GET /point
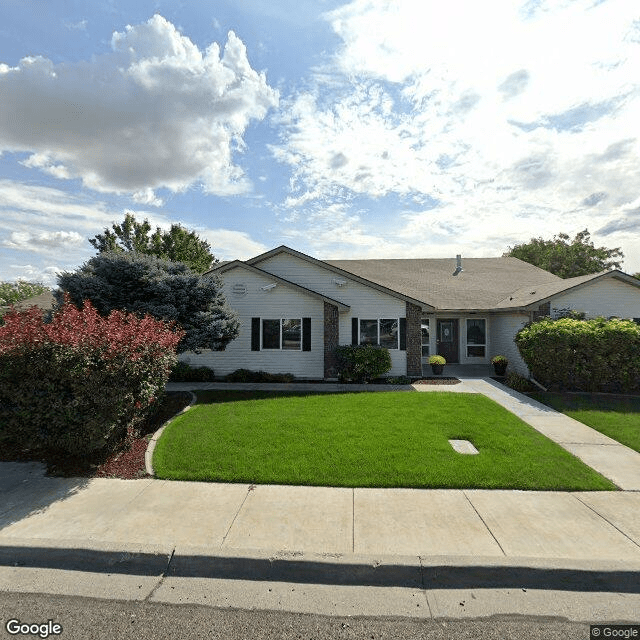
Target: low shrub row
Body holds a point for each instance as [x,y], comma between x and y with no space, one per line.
[76,383]
[183,372]
[246,375]
[583,355]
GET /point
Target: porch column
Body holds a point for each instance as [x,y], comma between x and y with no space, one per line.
[414,340]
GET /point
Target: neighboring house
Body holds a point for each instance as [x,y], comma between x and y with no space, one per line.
[44,301]
[295,310]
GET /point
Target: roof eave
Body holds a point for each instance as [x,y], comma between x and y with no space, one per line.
[614,273]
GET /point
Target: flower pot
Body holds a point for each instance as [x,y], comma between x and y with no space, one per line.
[500,368]
[437,369]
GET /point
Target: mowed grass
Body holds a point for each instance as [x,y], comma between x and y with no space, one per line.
[615,416]
[364,440]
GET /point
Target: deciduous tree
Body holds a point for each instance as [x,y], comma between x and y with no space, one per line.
[178,244]
[567,259]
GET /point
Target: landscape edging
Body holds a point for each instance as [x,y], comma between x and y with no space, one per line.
[148,454]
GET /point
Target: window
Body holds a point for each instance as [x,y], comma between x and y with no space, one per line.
[476,338]
[424,327]
[291,333]
[389,334]
[368,332]
[282,334]
[271,334]
[383,332]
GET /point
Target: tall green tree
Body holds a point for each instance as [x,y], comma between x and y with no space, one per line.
[166,290]
[567,259]
[178,244]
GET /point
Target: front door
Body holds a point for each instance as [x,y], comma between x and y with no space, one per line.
[447,339]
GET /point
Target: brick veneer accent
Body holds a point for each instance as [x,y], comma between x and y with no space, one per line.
[331,321]
[414,340]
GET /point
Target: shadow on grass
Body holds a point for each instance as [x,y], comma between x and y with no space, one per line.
[235,395]
[589,401]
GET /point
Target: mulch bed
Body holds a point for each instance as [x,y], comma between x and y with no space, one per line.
[126,463]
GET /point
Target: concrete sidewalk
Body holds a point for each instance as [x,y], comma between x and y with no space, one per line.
[342,551]
[324,550]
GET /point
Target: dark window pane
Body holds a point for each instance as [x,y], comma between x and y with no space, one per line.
[475,332]
[424,329]
[368,332]
[475,352]
[271,334]
[291,332]
[389,334]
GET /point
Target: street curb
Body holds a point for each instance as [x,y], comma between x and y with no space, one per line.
[354,570]
[148,454]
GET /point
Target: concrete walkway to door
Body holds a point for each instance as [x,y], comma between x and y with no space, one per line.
[610,458]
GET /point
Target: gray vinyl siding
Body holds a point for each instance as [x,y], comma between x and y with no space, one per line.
[365,302]
[502,333]
[605,297]
[280,302]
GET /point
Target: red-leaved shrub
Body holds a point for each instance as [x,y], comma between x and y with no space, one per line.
[75,384]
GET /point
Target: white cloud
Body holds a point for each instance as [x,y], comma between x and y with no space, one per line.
[507,120]
[232,245]
[155,112]
[43,240]
[42,225]
[31,273]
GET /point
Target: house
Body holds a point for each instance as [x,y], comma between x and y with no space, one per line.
[44,301]
[295,309]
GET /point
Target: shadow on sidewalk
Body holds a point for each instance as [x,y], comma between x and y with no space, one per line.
[323,572]
[25,490]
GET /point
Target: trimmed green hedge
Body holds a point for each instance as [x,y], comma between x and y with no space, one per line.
[363,362]
[583,355]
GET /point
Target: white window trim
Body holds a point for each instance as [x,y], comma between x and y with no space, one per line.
[396,348]
[467,345]
[428,345]
[263,348]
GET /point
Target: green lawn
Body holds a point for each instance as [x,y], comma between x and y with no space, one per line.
[364,440]
[616,417]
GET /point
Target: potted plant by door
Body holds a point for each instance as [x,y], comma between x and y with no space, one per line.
[437,364]
[499,364]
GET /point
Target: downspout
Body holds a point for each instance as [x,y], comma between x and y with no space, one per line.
[532,379]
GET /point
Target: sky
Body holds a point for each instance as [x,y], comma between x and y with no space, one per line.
[362,129]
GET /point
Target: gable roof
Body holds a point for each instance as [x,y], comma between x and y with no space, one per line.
[527,296]
[235,264]
[484,284]
[481,285]
[374,283]
[44,301]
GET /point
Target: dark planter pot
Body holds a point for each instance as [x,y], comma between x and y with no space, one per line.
[437,369]
[500,368]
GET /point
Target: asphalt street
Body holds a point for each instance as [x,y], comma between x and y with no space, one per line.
[94,619]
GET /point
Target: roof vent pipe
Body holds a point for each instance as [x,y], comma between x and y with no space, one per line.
[459,268]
